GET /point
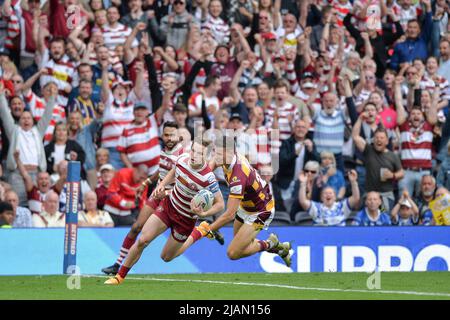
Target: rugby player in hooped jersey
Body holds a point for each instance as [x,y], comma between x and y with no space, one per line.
[250,204]
[169,154]
[176,211]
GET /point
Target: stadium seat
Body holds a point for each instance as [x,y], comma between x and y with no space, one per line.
[303,219]
[281,218]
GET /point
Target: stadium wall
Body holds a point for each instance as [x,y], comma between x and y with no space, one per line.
[316,249]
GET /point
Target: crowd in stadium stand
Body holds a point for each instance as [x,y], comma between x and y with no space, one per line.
[341,105]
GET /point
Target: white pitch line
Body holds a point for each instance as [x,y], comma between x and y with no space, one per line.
[414,293]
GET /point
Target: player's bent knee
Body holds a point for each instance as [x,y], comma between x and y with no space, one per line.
[166,257]
[143,242]
[234,254]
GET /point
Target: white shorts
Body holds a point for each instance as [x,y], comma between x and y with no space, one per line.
[258,218]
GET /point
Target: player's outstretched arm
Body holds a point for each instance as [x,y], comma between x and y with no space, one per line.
[228,215]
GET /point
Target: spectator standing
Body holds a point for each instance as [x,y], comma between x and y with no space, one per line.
[416,139]
[106,176]
[139,142]
[122,203]
[175,26]
[383,167]
[26,138]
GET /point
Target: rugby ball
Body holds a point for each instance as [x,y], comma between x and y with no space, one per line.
[204,198]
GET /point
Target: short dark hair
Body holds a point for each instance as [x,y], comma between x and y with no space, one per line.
[58,39]
[5,206]
[210,80]
[84,64]
[381,130]
[85,81]
[281,83]
[170,124]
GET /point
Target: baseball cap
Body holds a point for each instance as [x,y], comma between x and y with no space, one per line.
[139,104]
[269,36]
[406,203]
[4,52]
[307,74]
[106,166]
[236,115]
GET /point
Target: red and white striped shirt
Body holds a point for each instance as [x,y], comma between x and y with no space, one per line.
[416,145]
[13,30]
[63,72]
[117,116]
[116,36]
[428,84]
[285,112]
[219,29]
[167,161]
[37,108]
[141,144]
[188,182]
[263,143]
[342,9]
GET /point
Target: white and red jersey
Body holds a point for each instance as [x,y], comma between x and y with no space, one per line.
[220,30]
[405,15]
[427,83]
[195,102]
[287,114]
[188,182]
[141,144]
[167,161]
[63,72]
[13,25]
[116,36]
[263,143]
[37,108]
[117,116]
[342,9]
[416,145]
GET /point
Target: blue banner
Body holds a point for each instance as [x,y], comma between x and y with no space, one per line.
[315,249]
[72,198]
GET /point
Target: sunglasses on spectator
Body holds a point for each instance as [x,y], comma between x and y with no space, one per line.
[310,171]
[178,2]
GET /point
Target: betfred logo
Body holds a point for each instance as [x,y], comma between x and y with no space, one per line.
[360,259]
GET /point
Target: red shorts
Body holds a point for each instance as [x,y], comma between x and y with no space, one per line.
[153,203]
[180,226]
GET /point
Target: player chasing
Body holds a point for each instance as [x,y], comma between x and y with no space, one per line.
[176,211]
[171,150]
[250,204]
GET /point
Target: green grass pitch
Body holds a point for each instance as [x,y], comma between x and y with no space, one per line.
[426,285]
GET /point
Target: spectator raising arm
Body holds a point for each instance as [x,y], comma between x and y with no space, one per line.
[359,141]
[129,52]
[353,200]
[29,185]
[304,201]
[401,113]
